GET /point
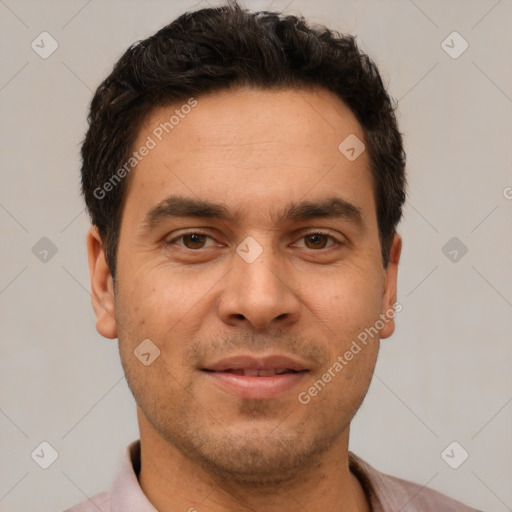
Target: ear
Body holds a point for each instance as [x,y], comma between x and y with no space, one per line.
[390,286]
[102,285]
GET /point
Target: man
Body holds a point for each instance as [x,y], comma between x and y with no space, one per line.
[245,177]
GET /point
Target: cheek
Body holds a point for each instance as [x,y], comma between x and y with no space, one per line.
[167,309]
[148,335]
[348,304]
[159,299]
[346,312]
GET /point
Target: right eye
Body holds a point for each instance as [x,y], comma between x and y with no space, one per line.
[193,240]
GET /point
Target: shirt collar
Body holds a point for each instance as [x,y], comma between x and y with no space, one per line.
[126,494]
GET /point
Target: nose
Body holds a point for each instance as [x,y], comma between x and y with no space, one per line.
[258,295]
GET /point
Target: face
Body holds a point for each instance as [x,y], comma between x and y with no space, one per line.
[249,256]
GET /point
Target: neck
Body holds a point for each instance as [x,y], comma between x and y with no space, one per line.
[172,481]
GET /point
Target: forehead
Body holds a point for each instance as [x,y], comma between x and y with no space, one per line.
[251,147]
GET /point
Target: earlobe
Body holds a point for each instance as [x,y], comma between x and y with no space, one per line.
[390,288]
[102,290]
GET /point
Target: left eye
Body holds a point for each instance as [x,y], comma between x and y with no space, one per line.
[196,241]
[317,240]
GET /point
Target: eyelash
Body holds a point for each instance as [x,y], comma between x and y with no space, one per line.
[336,242]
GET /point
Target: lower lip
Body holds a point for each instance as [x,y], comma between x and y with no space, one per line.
[256,388]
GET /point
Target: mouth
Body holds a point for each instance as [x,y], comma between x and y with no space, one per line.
[257,372]
[256,378]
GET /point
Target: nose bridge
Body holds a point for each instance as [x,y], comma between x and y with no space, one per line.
[262,280]
[256,290]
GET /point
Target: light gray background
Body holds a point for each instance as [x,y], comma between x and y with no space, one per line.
[445,375]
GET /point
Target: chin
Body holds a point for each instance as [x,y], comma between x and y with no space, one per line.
[255,456]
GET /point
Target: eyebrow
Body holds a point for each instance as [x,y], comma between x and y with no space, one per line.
[181,207]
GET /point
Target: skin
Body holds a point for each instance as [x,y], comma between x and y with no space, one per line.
[255,152]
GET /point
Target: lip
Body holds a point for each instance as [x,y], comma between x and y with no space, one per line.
[256,387]
[270,362]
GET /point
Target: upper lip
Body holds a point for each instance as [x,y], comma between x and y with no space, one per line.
[271,362]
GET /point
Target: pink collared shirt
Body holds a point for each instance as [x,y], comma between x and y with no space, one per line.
[385,493]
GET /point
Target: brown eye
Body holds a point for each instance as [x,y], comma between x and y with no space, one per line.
[194,240]
[317,241]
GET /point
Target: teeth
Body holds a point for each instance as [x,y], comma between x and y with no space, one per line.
[267,373]
[253,372]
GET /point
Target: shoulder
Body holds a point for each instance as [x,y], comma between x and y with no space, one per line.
[100,501]
[388,493]
[419,498]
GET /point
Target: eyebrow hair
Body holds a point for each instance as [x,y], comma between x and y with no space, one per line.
[179,206]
